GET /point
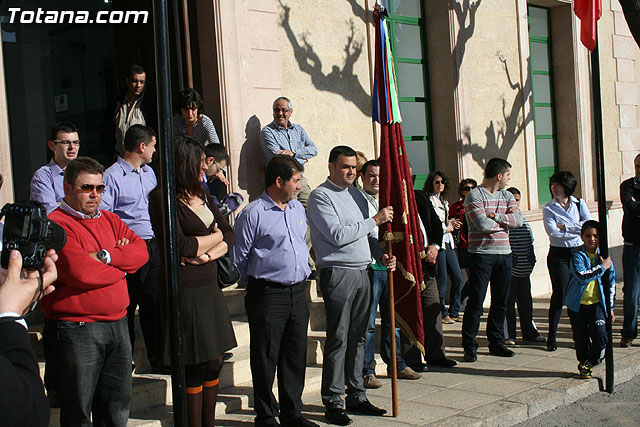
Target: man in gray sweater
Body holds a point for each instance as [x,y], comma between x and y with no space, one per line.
[344,238]
[491,211]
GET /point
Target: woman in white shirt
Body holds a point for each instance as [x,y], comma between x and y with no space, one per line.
[436,187]
[563,218]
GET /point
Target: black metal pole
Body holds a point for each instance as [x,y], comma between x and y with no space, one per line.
[163,78]
[602,206]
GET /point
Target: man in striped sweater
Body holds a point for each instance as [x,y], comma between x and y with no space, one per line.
[491,211]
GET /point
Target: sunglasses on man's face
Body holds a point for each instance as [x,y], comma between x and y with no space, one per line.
[469,188]
[88,188]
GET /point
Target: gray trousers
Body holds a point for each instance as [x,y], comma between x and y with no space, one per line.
[347,301]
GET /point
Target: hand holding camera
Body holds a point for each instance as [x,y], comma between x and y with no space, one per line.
[20,289]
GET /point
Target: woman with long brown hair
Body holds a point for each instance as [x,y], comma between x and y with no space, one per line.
[203,236]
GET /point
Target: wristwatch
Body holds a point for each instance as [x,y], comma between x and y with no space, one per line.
[103,256]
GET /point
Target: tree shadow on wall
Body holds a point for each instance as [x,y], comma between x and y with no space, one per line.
[500,141]
[251,165]
[464,10]
[341,81]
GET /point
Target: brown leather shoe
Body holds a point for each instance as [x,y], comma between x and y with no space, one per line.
[370,381]
[448,320]
[408,374]
[626,342]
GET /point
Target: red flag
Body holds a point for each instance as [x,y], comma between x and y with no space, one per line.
[396,189]
[589,12]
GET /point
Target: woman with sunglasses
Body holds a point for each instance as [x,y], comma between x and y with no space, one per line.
[447,262]
[204,235]
[456,211]
[563,217]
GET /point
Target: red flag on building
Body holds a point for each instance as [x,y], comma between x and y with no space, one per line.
[589,12]
[396,189]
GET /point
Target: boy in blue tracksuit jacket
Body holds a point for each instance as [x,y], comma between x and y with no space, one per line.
[586,301]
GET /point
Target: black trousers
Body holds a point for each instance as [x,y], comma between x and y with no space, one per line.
[432,322]
[143,292]
[278,320]
[487,268]
[520,292]
[589,333]
[558,263]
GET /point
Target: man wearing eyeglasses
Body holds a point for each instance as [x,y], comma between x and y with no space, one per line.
[283,137]
[128,183]
[87,312]
[47,182]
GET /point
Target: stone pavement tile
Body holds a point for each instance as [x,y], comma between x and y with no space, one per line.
[538,401]
[554,364]
[457,421]
[409,412]
[573,389]
[500,386]
[518,359]
[501,413]
[537,375]
[406,389]
[451,378]
[529,374]
[457,399]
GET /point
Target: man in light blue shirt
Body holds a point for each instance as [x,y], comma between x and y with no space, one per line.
[271,254]
[283,137]
[128,183]
[47,182]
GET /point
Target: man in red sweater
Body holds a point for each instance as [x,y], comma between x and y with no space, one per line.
[85,316]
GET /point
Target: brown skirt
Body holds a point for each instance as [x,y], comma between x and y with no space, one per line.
[206,328]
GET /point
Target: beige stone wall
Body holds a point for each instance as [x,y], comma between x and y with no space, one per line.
[496,93]
[313,54]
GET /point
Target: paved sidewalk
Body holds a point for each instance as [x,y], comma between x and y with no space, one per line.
[491,391]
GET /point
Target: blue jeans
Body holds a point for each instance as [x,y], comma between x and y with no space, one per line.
[447,261]
[379,283]
[631,290]
[93,372]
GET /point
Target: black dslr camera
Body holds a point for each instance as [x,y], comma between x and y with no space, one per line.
[28,230]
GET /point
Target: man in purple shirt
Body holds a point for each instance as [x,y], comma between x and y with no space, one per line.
[271,254]
[47,183]
[128,183]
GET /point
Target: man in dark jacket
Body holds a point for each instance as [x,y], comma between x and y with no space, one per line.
[431,312]
[132,107]
[22,399]
[630,198]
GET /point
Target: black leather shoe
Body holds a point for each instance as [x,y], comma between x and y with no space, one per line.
[470,355]
[366,408]
[419,367]
[501,351]
[298,421]
[551,346]
[337,416]
[444,363]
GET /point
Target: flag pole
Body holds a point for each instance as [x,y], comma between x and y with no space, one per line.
[373,124]
[602,207]
[392,332]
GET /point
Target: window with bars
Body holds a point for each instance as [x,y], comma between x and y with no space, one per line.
[543,99]
[408,44]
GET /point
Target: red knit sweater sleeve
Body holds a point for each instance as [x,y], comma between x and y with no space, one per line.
[130,257]
[77,269]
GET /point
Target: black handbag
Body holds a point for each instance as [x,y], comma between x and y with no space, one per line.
[228,273]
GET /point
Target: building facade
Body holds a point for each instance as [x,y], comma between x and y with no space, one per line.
[477,79]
